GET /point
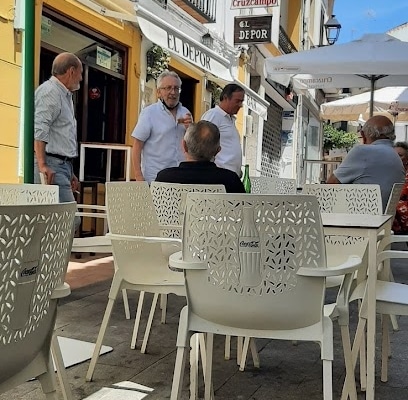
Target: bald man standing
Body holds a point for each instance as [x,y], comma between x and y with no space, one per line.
[55,127]
[375,162]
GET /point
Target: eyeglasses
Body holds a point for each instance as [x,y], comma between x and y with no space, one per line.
[169,89]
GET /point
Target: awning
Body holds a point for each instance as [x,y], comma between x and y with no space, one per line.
[254,101]
[179,44]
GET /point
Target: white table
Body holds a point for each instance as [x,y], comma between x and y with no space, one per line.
[108,147]
[368,226]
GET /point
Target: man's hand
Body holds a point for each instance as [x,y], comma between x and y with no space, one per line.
[139,177]
[48,173]
[188,119]
[74,183]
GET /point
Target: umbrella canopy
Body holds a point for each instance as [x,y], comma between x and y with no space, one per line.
[375,60]
[391,101]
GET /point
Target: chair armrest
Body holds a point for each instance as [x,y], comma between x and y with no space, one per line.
[352,264]
[146,239]
[62,290]
[387,254]
[384,242]
[92,207]
[176,261]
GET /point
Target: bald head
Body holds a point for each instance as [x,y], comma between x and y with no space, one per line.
[63,62]
[378,127]
[202,141]
[67,68]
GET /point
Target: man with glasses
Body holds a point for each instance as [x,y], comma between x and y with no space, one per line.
[160,129]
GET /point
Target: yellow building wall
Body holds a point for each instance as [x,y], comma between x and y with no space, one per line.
[10,83]
[239,123]
[294,22]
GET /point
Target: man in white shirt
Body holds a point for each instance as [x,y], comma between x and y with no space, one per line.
[223,115]
[160,129]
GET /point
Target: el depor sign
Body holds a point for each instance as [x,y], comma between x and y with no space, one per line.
[238,4]
[252,29]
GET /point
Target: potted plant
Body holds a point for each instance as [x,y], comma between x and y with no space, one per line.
[157,60]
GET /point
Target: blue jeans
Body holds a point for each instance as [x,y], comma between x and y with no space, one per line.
[63,177]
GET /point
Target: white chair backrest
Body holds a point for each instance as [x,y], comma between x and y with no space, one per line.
[35,245]
[348,199]
[269,185]
[169,202]
[394,199]
[253,246]
[131,211]
[27,193]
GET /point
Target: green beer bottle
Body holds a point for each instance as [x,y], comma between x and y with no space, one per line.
[246,180]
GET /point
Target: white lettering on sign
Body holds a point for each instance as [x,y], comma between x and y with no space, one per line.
[252,34]
[236,4]
[188,51]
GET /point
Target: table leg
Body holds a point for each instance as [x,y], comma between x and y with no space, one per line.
[371,312]
[82,164]
[108,165]
[128,159]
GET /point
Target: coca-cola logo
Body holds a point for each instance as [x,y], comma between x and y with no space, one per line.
[28,272]
[250,243]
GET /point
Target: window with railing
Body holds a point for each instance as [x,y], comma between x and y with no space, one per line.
[204,9]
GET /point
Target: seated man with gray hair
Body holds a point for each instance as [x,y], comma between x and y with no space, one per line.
[200,144]
[375,162]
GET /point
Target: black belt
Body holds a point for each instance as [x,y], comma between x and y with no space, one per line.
[63,158]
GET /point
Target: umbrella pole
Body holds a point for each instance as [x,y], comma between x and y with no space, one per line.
[372,95]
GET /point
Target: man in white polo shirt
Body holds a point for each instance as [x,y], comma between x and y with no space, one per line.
[160,129]
[223,115]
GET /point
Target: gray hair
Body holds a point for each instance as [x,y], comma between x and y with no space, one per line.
[165,73]
[63,62]
[202,140]
[379,127]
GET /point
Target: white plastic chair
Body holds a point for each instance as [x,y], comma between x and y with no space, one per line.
[27,193]
[391,299]
[255,266]
[270,185]
[139,261]
[169,202]
[35,244]
[349,199]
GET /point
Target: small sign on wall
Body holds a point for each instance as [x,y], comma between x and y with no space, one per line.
[252,29]
[240,4]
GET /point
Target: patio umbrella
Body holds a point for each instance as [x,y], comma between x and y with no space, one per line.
[391,101]
[375,60]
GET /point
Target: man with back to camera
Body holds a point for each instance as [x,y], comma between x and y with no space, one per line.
[55,127]
[159,130]
[223,115]
[374,162]
[201,144]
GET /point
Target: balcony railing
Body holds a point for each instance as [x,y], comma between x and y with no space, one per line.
[203,11]
[285,44]
[162,3]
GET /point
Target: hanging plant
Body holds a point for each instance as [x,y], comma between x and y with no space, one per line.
[157,60]
[215,91]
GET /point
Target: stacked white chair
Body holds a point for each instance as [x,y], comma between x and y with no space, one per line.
[139,260]
[35,244]
[272,185]
[255,266]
